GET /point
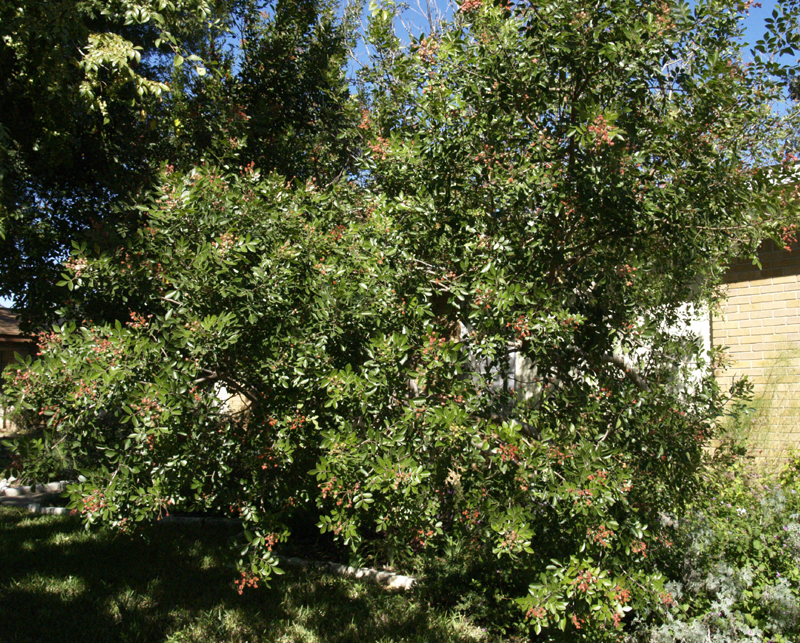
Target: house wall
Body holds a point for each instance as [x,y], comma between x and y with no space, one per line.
[760,325]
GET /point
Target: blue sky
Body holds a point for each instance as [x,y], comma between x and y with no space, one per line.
[754,26]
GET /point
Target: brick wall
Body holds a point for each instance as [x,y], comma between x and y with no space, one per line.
[760,325]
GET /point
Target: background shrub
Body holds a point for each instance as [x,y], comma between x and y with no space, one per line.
[732,566]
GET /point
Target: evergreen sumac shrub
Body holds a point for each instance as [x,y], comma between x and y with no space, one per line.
[232,312]
[475,348]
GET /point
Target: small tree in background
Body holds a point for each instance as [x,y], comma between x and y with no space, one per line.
[95,97]
[550,182]
[81,90]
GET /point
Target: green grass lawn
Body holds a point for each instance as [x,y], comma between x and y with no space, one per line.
[174,583]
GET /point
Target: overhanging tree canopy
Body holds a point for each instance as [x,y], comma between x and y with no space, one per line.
[96,96]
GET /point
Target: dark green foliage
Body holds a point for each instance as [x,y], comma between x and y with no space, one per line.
[80,85]
[300,122]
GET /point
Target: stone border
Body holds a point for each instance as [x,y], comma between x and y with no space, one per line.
[389,580]
[189,520]
[15,492]
[36,508]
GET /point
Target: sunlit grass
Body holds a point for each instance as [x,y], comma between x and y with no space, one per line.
[174,583]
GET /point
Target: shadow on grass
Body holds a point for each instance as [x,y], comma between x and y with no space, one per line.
[61,583]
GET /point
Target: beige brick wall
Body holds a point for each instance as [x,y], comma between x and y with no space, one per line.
[760,325]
